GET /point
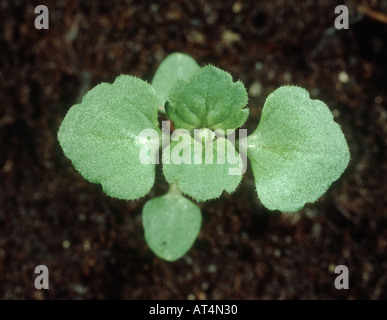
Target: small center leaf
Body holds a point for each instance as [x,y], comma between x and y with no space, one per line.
[175,66]
[208,99]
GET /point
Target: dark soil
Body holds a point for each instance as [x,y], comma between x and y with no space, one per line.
[94,245]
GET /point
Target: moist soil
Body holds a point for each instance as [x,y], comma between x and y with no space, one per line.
[94,246]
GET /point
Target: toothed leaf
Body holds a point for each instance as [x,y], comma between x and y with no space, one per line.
[208,99]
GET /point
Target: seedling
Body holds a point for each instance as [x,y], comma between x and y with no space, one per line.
[113,138]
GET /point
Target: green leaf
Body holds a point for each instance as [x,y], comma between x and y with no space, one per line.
[100,136]
[175,66]
[208,99]
[184,162]
[171,224]
[297,151]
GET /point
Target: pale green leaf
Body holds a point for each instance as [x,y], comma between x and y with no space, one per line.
[297,151]
[171,225]
[185,162]
[101,136]
[208,99]
[176,66]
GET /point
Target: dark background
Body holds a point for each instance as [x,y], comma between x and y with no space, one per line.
[94,246]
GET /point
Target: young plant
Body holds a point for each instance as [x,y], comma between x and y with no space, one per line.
[113,138]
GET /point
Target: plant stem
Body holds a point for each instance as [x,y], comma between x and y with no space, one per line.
[173,188]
